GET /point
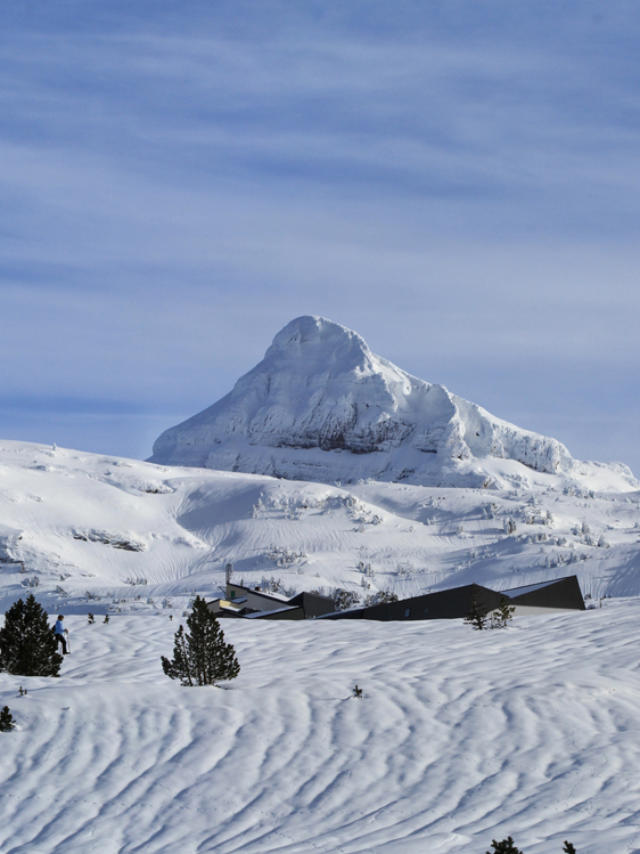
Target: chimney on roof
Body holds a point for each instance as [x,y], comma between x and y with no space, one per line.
[228,569]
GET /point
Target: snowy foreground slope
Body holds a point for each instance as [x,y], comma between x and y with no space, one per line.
[124,534]
[462,737]
[321,406]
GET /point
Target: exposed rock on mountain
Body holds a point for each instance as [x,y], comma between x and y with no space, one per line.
[321,406]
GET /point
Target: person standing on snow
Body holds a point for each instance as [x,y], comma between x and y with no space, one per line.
[60,633]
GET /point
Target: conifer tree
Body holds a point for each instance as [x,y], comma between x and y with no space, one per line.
[7,722]
[476,616]
[501,618]
[200,656]
[27,644]
[505,846]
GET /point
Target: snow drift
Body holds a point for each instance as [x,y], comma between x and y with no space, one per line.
[321,406]
[461,737]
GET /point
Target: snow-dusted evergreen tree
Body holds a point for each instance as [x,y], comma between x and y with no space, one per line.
[200,656]
[27,644]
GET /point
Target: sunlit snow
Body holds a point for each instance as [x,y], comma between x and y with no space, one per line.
[461,737]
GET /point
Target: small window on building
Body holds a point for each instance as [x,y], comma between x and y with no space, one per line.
[407,612]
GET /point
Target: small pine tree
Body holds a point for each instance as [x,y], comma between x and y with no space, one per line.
[7,722]
[501,618]
[28,647]
[505,846]
[476,616]
[201,657]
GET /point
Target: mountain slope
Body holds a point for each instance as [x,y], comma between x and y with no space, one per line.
[128,534]
[321,406]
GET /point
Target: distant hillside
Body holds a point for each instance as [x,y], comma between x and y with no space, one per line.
[126,534]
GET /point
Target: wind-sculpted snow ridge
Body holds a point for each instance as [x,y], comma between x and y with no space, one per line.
[321,406]
[461,737]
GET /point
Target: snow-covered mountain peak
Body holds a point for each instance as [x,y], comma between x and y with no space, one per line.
[318,339]
[321,406]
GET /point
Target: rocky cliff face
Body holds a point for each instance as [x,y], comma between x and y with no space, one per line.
[321,406]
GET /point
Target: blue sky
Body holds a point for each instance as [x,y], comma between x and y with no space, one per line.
[458,181]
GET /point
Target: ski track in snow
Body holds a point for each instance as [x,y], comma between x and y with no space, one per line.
[462,737]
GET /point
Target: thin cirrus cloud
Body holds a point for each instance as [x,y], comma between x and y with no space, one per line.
[459,184]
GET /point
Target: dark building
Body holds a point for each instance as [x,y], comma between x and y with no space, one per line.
[457,602]
[561,594]
[313,604]
[442,605]
[244,601]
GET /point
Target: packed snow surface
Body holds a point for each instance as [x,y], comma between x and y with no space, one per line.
[321,406]
[461,737]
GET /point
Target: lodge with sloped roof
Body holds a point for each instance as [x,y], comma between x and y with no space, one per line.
[561,594]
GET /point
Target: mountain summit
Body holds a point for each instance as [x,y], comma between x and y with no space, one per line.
[321,406]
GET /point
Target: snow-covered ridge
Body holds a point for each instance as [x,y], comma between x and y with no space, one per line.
[83,527]
[321,406]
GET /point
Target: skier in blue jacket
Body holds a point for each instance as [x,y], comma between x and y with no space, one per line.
[60,633]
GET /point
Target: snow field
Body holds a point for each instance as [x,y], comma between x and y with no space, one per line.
[462,737]
[126,529]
